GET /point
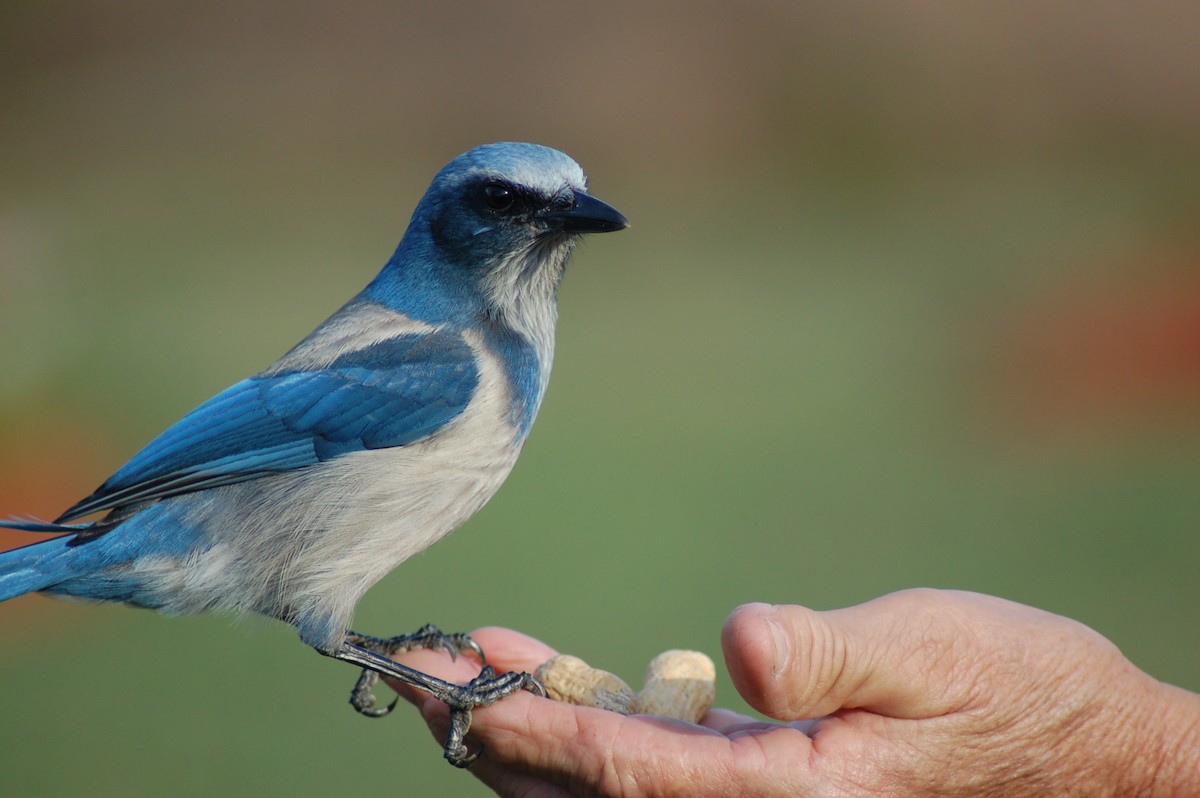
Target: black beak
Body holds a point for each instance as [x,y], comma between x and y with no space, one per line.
[588,215]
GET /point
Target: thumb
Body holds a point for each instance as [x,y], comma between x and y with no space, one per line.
[899,656]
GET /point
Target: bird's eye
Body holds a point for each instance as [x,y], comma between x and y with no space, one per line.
[498,197]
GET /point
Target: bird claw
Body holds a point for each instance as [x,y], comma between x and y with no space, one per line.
[362,697]
[484,690]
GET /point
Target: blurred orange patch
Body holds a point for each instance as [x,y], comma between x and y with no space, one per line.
[41,475]
[44,473]
[1098,353]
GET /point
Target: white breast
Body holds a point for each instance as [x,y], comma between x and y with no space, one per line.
[305,546]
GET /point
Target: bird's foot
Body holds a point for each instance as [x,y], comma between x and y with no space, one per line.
[362,697]
[428,636]
[484,690]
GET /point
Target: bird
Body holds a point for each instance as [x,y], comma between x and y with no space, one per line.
[292,492]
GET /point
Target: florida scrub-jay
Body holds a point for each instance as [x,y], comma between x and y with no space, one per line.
[292,492]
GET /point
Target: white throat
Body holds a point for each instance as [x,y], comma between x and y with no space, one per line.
[524,286]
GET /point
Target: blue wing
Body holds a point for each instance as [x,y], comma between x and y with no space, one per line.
[388,394]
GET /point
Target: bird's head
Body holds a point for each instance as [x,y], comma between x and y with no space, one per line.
[493,234]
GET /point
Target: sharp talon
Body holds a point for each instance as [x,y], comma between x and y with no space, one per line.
[379,712]
[474,648]
[461,757]
[362,697]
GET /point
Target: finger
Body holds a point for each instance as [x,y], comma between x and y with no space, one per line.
[509,650]
[595,752]
[726,720]
[899,656]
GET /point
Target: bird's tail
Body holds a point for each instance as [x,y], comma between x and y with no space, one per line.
[37,566]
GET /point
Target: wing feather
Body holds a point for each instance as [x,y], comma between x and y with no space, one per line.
[391,393]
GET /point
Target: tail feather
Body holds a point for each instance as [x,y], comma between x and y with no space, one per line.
[33,567]
[33,525]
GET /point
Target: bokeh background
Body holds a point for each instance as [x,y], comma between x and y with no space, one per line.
[911,297]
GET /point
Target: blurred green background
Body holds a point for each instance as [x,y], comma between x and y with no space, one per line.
[911,297]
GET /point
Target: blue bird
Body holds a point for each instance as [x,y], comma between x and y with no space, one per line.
[292,492]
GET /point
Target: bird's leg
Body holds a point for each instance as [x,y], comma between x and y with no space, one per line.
[362,697]
[485,689]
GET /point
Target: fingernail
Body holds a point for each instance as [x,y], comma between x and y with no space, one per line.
[781,645]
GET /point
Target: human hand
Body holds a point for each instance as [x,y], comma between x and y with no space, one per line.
[918,693]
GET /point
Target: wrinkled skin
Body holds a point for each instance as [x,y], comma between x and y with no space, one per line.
[919,693]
